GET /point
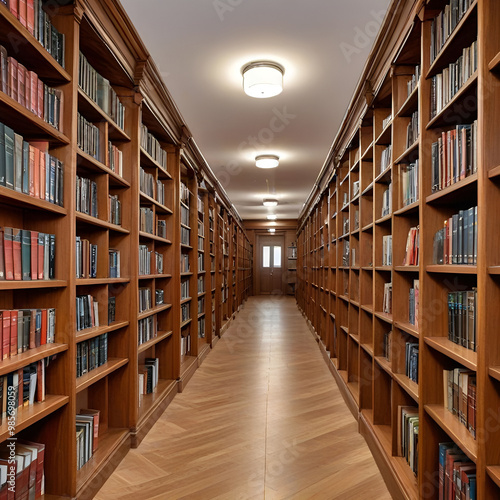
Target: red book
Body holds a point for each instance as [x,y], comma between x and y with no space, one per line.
[30,16]
[34,92]
[13,78]
[36,176]
[43,337]
[6,334]
[42,175]
[22,12]
[40,457]
[21,84]
[34,255]
[32,343]
[13,333]
[2,256]
[40,99]
[41,147]
[8,255]
[16,253]
[27,89]
[14,7]
[6,493]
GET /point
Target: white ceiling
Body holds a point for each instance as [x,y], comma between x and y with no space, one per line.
[200,47]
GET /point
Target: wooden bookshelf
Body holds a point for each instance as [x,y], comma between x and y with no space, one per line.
[102,33]
[391,107]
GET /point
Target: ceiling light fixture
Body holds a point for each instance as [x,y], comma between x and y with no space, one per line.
[272,230]
[267,161]
[263,79]
[270,202]
[272,217]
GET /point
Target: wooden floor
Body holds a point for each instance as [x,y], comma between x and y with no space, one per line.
[262,418]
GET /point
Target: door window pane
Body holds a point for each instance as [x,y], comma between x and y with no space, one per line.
[277,257]
[266,256]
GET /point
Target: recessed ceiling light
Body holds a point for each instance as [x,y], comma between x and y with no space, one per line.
[270,202]
[272,217]
[267,161]
[272,230]
[263,79]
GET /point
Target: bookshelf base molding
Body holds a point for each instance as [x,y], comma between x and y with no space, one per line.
[204,351]
[153,413]
[189,366]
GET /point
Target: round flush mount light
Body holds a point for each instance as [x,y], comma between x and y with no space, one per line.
[270,202]
[262,79]
[272,217]
[267,161]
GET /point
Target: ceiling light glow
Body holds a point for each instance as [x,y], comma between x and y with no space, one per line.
[272,230]
[263,79]
[272,217]
[270,202]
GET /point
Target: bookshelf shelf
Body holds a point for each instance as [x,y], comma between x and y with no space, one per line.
[451,269]
[493,472]
[494,372]
[34,284]
[94,221]
[90,333]
[147,159]
[460,354]
[406,269]
[153,311]
[90,163]
[409,153]
[23,200]
[30,356]
[384,364]
[159,239]
[149,402]
[99,373]
[455,191]
[410,105]
[408,385]
[494,64]
[34,413]
[450,424]
[408,209]
[100,281]
[159,207]
[159,338]
[494,173]
[408,328]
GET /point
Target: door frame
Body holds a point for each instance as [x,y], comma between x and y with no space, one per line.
[258,258]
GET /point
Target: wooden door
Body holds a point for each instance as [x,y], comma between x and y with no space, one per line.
[270,264]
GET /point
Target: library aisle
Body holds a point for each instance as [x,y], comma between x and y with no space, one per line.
[260,419]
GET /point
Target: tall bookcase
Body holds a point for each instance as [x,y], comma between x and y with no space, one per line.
[384,325]
[114,211]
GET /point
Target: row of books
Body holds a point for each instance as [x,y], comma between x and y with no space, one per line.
[443,25]
[345,253]
[411,84]
[345,226]
[408,426]
[91,354]
[111,310]
[185,289]
[457,473]
[385,122]
[445,85]
[185,342]
[86,258]
[185,311]
[387,250]
[115,209]
[412,252]
[201,327]
[185,267]
[152,146]
[456,243]
[184,194]
[87,435]
[185,236]
[86,196]
[115,159]
[387,201]
[161,228]
[33,16]
[146,220]
[145,256]
[185,215]
[201,228]
[412,130]
[25,87]
[114,263]
[413,303]
[26,255]
[201,262]
[387,299]
[385,159]
[159,296]
[409,183]
[454,156]
[87,312]
[201,305]
[28,168]
[149,374]
[147,329]
[24,329]
[411,361]
[88,138]
[99,90]
[201,284]
[145,299]
[28,480]
[462,318]
[460,396]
